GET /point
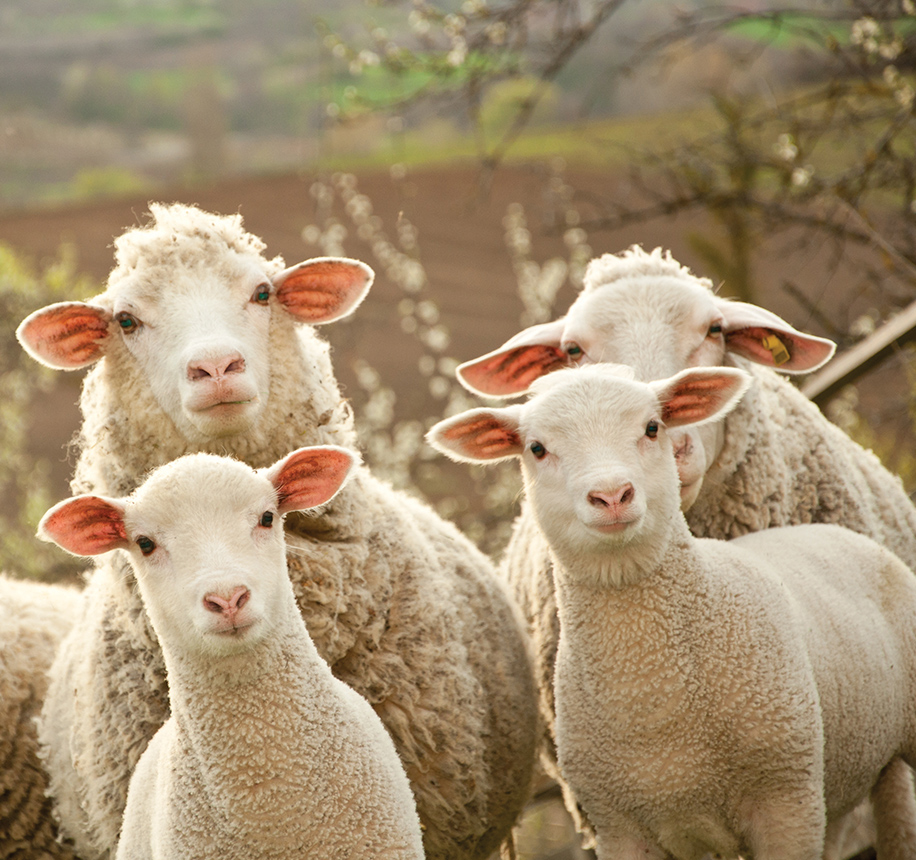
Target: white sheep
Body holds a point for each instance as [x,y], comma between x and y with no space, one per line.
[34,617]
[712,696]
[265,753]
[200,343]
[775,460]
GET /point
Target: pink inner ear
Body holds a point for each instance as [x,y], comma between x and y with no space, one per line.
[320,291]
[510,372]
[805,352]
[65,336]
[310,477]
[86,525]
[696,398]
[482,437]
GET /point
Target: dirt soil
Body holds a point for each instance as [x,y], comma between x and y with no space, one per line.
[461,244]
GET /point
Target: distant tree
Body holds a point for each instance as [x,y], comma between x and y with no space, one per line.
[830,157]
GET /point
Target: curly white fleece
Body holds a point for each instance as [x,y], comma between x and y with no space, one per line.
[405,609]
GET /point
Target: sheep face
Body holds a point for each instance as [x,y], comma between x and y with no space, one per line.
[596,457]
[206,542]
[202,348]
[190,316]
[649,313]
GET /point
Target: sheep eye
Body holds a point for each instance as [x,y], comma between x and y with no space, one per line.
[652,429]
[539,451]
[573,350]
[715,328]
[146,545]
[267,519]
[127,322]
[261,294]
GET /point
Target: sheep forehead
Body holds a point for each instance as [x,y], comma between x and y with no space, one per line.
[656,301]
[199,490]
[587,403]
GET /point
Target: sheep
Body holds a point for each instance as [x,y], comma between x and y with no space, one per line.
[201,344]
[712,696]
[35,617]
[323,778]
[774,460]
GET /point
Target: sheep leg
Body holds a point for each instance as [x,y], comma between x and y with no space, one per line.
[790,826]
[895,812]
[622,846]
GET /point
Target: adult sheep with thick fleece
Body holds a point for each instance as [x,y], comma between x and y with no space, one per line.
[721,697]
[34,619]
[265,753]
[201,344]
[774,460]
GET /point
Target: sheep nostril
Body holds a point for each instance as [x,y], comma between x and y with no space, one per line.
[617,498]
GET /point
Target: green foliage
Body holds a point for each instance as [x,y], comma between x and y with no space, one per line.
[24,476]
[105,182]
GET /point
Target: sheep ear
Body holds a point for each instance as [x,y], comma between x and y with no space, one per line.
[85,525]
[510,370]
[479,435]
[700,394]
[324,289]
[66,335]
[309,477]
[765,338]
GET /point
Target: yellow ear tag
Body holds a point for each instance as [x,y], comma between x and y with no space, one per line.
[777,348]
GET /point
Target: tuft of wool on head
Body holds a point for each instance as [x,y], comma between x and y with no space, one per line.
[634,262]
[197,233]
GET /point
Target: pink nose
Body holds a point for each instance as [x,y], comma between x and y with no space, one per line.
[227,607]
[613,500]
[205,368]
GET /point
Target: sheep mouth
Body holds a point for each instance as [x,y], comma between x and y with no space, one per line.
[227,404]
[235,631]
[612,528]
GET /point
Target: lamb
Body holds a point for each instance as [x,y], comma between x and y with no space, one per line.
[774,460]
[322,777]
[201,344]
[704,696]
[35,616]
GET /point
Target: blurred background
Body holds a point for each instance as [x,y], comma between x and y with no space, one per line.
[476,153]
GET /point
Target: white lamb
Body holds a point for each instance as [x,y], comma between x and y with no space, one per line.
[775,460]
[265,754]
[200,343]
[717,697]
[34,617]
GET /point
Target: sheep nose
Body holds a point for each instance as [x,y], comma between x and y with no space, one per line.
[205,368]
[614,499]
[220,605]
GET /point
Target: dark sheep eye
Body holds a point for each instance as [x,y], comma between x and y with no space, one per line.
[127,322]
[261,294]
[146,545]
[652,429]
[539,451]
[267,519]
[573,350]
[715,328]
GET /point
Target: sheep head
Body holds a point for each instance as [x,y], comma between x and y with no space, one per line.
[595,452]
[190,311]
[650,313]
[206,542]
